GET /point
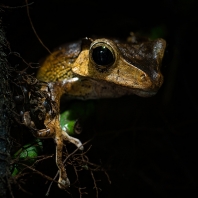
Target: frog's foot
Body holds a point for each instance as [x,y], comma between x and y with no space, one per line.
[73,140]
[63,183]
[63,178]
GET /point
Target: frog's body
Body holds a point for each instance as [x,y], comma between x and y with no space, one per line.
[100,68]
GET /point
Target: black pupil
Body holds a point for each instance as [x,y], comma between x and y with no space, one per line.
[102,56]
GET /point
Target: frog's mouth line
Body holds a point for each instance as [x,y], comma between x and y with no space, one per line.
[147,92]
[140,92]
[121,90]
[144,93]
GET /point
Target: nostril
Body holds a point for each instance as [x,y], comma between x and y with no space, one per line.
[158,78]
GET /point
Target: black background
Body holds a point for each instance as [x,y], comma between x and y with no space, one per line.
[147,145]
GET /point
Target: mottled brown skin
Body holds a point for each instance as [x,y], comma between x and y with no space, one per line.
[72,71]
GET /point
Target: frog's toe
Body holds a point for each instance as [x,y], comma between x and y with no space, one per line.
[77,142]
[73,140]
[63,183]
[79,145]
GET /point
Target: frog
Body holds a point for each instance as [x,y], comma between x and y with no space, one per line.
[95,68]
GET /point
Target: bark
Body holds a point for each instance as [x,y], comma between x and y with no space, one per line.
[5,121]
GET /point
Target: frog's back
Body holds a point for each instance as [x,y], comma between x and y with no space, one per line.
[58,65]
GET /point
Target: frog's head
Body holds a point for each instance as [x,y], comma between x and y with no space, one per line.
[133,66]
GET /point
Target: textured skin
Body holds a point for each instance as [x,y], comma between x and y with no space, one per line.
[58,66]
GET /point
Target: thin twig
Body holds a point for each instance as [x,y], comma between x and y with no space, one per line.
[107,176]
[28,64]
[81,193]
[28,13]
[25,191]
[16,7]
[9,187]
[95,185]
[54,179]
[74,152]
[40,173]
[48,190]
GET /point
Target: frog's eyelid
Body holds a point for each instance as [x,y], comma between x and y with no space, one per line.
[86,42]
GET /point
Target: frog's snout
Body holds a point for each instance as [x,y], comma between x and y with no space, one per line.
[158,79]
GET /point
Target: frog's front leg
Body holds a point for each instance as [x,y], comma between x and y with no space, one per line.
[59,137]
[63,179]
[54,130]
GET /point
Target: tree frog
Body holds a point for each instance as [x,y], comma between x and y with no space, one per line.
[97,68]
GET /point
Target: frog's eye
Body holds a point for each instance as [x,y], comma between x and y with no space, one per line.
[102,54]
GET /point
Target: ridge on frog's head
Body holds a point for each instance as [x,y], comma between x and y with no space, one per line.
[134,66]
